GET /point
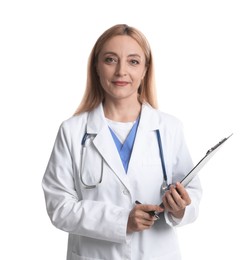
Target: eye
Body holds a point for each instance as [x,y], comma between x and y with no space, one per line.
[134,62]
[110,60]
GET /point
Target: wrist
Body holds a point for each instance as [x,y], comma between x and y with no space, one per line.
[178,214]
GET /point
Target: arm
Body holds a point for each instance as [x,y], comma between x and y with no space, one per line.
[67,210]
[182,204]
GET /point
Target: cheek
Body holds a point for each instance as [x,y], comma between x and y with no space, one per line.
[104,79]
[99,69]
[103,82]
[103,72]
[138,77]
[102,76]
[141,73]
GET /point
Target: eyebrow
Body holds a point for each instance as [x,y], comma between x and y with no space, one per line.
[114,53]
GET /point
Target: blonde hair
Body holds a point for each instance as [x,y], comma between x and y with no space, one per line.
[94,93]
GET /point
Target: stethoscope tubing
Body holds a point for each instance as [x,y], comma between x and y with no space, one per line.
[164,186]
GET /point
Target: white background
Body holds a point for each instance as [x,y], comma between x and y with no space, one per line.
[203,62]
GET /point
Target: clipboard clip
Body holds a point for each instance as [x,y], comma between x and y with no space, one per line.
[217,145]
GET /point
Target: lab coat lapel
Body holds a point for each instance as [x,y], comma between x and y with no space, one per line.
[149,121]
[104,143]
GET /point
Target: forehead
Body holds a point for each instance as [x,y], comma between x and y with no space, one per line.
[122,44]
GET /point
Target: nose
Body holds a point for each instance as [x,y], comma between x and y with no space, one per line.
[121,69]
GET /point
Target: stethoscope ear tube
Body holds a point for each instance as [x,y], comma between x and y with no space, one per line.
[84,139]
[162,159]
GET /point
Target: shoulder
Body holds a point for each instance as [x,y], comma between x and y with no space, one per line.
[73,127]
[71,131]
[164,119]
[170,127]
[75,120]
[169,119]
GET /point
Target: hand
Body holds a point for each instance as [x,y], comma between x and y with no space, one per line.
[176,199]
[140,219]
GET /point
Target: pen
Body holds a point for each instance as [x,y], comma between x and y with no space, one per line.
[151,213]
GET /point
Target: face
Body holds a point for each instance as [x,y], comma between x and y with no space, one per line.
[121,68]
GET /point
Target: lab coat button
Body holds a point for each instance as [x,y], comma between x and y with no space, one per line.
[125,192]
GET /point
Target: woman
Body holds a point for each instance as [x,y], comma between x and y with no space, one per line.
[116,150]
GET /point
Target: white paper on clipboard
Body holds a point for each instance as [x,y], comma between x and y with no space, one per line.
[210,153]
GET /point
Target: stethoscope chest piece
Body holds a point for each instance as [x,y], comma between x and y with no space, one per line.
[163,187]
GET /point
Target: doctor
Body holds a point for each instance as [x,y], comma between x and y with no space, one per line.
[116,151]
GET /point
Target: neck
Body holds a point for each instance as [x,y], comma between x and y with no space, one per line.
[122,112]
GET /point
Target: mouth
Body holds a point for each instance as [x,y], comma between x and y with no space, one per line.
[120,83]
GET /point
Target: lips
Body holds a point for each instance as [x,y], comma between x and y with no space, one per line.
[120,83]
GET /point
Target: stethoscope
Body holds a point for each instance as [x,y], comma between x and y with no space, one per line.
[164,185]
[83,144]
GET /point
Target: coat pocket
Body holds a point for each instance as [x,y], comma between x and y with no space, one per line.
[77,257]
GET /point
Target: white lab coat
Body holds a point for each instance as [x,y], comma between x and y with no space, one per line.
[96,219]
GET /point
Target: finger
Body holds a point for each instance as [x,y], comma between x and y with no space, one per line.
[177,199]
[167,200]
[173,200]
[183,193]
[143,213]
[179,203]
[149,208]
[137,221]
[137,226]
[147,223]
[147,217]
[141,220]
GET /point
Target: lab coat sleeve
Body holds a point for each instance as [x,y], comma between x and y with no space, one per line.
[192,210]
[182,164]
[67,212]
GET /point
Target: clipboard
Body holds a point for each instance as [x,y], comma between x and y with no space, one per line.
[186,180]
[210,153]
